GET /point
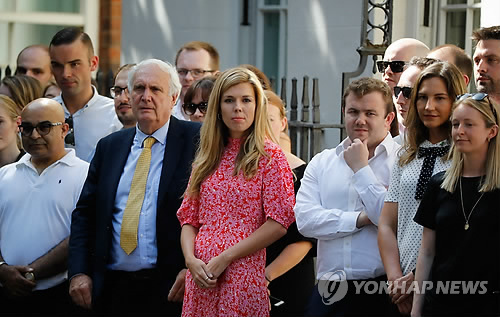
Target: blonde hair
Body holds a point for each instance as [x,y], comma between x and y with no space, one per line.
[214,133]
[417,132]
[492,177]
[12,111]
[24,89]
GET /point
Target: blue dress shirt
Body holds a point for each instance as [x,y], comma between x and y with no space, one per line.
[146,253]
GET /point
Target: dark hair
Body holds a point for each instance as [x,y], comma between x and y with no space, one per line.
[70,35]
[197,46]
[366,85]
[205,85]
[422,62]
[123,67]
[491,33]
[462,59]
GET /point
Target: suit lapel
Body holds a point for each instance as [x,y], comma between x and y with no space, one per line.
[119,152]
[175,141]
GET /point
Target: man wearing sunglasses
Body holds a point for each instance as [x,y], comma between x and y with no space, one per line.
[487,61]
[193,61]
[397,56]
[120,94]
[90,116]
[38,195]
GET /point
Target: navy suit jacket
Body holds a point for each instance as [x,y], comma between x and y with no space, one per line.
[91,227]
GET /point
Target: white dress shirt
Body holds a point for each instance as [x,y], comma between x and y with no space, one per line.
[329,201]
[35,209]
[146,253]
[94,121]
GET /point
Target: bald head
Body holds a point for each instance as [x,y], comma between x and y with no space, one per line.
[46,107]
[402,50]
[43,130]
[455,55]
[34,61]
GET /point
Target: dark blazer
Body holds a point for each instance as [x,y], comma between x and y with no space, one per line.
[91,227]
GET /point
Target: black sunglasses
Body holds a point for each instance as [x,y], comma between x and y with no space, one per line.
[70,137]
[479,96]
[396,66]
[190,108]
[405,90]
[43,128]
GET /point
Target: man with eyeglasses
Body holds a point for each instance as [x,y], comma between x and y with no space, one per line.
[90,116]
[397,56]
[121,96]
[402,92]
[38,195]
[194,60]
[487,61]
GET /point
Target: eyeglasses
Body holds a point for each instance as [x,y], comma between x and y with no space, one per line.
[479,96]
[196,73]
[70,137]
[190,108]
[43,128]
[116,91]
[405,90]
[396,66]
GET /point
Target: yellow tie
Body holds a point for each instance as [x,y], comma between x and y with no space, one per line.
[130,221]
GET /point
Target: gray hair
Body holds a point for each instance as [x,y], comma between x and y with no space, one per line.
[174,85]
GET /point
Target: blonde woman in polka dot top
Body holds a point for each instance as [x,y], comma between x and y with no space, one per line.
[424,153]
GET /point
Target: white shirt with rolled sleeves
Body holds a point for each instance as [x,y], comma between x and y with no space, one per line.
[94,121]
[35,210]
[329,201]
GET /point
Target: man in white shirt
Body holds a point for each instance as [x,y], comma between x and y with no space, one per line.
[194,60]
[38,192]
[341,197]
[90,116]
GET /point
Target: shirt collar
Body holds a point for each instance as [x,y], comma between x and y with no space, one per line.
[160,135]
[95,96]
[387,144]
[68,159]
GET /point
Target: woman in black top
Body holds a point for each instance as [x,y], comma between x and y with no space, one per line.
[460,212]
[289,261]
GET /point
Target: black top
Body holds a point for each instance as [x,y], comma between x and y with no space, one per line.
[462,255]
[295,286]
[20,155]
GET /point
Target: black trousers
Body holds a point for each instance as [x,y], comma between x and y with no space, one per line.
[140,293]
[54,301]
[353,304]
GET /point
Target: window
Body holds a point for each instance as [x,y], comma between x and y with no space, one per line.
[271,38]
[457,20]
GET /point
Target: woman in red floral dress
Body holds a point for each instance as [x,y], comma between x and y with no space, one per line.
[239,200]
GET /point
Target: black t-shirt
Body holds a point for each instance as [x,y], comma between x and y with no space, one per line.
[462,255]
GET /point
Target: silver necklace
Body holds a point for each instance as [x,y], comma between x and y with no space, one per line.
[466,227]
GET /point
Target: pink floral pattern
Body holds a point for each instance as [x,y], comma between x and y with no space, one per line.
[229,209]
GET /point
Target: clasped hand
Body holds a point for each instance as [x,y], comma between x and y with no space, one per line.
[205,275]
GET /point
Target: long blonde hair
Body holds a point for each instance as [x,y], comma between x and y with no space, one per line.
[492,177]
[417,132]
[215,134]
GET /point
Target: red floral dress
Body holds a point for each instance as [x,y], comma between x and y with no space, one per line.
[229,209]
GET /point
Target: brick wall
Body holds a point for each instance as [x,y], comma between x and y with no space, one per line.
[110,34]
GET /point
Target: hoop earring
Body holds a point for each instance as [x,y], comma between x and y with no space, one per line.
[219,116]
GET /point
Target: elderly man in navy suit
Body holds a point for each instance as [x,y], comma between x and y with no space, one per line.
[124,249]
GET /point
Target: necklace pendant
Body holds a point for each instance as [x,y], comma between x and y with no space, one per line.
[466,227]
